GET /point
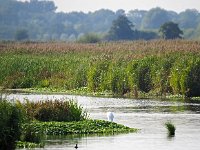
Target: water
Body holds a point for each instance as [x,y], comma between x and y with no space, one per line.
[147,115]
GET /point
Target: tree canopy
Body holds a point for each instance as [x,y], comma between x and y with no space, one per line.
[121,29]
[43,22]
[170,30]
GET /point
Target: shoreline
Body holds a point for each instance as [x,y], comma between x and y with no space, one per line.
[105,94]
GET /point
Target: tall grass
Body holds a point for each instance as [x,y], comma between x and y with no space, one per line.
[158,67]
[53,110]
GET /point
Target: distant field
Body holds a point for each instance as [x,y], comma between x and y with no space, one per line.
[156,67]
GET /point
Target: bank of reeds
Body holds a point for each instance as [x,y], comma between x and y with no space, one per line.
[156,67]
[53,110]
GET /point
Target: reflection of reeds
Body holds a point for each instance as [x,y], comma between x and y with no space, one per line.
[171,128]
[160,67]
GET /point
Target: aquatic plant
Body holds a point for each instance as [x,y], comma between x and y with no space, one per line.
[80,127]
[171,128]
[22,144]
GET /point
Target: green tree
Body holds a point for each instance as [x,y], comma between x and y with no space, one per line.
[170,30]
[121,29]
[21,35]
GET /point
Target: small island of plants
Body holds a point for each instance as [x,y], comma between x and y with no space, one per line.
[24,124]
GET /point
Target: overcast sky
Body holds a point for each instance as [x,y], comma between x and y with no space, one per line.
[92,5]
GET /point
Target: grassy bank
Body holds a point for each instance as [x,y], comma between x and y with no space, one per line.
[120,68]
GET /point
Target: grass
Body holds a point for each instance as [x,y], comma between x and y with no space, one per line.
[121,68]
[171,128]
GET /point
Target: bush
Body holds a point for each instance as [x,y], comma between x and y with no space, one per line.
[11,118]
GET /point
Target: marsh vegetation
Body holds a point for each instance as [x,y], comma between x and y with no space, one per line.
[135,68]
[25,124]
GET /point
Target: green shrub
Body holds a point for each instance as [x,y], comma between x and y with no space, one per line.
[11,118]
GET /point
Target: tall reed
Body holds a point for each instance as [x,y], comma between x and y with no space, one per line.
[158,67]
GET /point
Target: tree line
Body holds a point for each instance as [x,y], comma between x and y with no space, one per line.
[38,20]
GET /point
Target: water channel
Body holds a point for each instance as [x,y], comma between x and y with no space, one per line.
[146,114]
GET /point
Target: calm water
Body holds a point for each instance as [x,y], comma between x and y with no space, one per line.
[147,115]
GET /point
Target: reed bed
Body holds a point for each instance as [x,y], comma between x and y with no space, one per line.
[125,68]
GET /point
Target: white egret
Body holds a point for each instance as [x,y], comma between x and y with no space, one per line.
[110,116]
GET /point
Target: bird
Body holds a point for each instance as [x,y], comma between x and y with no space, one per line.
[76,146]
[110,116]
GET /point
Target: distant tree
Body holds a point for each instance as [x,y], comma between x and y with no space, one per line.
[120,12]
[154,18]
[121,29]
[21,35]
[136,16]
[170,30]
[189,18]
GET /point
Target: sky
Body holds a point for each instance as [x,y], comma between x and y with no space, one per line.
[92,5]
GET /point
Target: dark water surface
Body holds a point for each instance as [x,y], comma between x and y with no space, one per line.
[147,115]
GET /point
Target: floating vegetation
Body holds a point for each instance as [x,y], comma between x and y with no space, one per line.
[80,127]
[21,144]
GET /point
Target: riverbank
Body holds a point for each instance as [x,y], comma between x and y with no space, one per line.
[108,94]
